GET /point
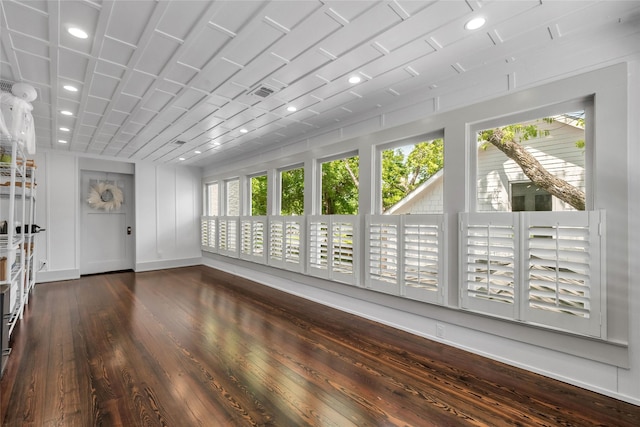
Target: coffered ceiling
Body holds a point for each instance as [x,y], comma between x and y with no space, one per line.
[224,77]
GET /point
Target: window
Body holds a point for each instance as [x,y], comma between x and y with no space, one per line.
[258,195]
[340,186]
[532,165]
[211,207]
[233,197]
[292,192]
[411,177]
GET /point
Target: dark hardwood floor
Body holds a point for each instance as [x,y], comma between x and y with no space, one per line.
[197,347]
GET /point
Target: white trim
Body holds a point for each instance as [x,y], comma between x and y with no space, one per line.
[57,275]
[169,263]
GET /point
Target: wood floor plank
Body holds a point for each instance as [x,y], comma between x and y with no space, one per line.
[198,347]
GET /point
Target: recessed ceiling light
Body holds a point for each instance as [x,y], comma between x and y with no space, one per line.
[354,79]
[66,113]
[77,32]
[475,23]
[62,141]
[243,130]
[198,152]
[70,88]
[181,158]
[64,129]
[291,108]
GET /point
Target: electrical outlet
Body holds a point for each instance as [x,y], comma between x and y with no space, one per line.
[439,330]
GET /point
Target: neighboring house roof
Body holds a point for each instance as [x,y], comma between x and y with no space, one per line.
[416,193]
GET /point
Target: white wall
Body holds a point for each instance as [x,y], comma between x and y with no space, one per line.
[167,206]
[582,361]
[168,209]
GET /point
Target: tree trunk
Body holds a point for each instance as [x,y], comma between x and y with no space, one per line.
[537,173]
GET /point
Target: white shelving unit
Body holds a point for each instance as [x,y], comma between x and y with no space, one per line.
[17,214]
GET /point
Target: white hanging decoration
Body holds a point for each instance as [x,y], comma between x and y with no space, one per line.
[105,196]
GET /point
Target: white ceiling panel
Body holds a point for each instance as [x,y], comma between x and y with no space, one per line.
[126,103]
[33,68]
[138,84]
[22,18]
[188,99]
[157,54]
[143,116]
[350,10]
[96,105]
[222,70]
[179,18]
[30,45]
[305,36]
[371,23]
[103,86]
[172,69]
[126,16]
[246,46]
[181,73]
[158,100]
[207,42]
[116,51]
[71,65]
[417,26]
[116,118]
[110,69]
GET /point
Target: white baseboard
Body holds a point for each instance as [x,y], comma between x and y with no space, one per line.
[168,263]
[57,275]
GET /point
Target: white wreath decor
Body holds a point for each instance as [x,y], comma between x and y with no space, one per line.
[105,196]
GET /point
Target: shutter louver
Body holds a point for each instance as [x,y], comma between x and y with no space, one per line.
[319,245]
[489,270]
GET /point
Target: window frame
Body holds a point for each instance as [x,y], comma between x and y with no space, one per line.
[412,140]
[319,162]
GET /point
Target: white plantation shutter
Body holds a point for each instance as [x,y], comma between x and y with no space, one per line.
[405,255]
[332,254]
[293,249]
[208,233]
[546,268]
[565,270]
[318,232]
[252,243]
[489,270]
[228,236]
[383,244]
[423,249]
[285,242]
[343,240]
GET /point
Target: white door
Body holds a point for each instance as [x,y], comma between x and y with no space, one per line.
[107,238]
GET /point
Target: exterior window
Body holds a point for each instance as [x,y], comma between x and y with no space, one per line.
[292,192]
[412,181]
[532,165]
[212,207]
[526,196]
[259,195]
[340,184]
[233,197]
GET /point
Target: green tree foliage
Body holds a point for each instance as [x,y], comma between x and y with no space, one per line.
[340,186]
[402,174]
[292,202]
[259,195]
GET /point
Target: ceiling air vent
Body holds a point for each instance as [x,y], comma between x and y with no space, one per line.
[6,85]
[180,142]
[263,91]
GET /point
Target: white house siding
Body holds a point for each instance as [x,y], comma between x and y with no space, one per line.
[557,152]
[429,200]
